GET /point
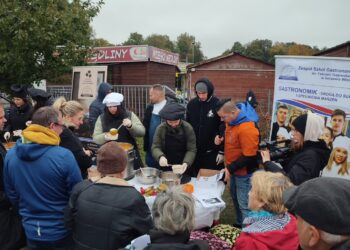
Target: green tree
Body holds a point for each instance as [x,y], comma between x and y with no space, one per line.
[300,49]
[134,39]
[278,48]
[198,54]
[238,47]
[185,44]
[40,39]
[160,41]
[100,42]
[259,49]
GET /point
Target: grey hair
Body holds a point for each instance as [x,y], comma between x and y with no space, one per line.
[173,211]
[330,239]
[44,116]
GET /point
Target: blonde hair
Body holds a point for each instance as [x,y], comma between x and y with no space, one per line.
[344,167]
[268,188]
[67,108]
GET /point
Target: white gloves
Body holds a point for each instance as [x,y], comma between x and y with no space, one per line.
[163,162]
[17,132]
[184,167]
[179,169]
[127,123]
[7,136]
[28,123]
[219,159]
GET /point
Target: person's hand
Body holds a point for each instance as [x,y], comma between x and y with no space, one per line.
[17,132]
[87,152]
[163,162]
[184,167]
[265,155]
[7,136]
[180,169]
[218,140]
[28,123]
[127,123]
[227,175]
[219,159]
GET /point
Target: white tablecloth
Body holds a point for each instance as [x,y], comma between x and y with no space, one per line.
[203,216]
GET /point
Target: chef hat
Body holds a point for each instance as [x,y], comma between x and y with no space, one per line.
[113,99]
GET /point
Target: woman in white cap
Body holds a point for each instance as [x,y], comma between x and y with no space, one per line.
[338,165]
[116,116]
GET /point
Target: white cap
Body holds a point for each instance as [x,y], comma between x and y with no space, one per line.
[113,99]
[342,142]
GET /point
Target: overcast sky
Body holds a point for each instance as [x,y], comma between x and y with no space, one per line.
[218,24]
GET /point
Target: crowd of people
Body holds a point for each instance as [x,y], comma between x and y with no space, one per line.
[48,201]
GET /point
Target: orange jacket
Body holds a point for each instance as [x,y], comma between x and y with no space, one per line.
[240,140]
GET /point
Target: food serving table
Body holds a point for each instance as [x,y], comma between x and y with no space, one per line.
[204,216]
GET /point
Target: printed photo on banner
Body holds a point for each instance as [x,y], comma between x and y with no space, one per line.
[321,85]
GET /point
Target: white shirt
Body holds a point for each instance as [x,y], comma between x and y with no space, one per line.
[334,172]
[158,107]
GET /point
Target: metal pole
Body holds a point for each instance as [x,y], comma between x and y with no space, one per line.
[193,43]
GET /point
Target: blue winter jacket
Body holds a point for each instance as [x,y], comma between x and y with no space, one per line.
[38,179]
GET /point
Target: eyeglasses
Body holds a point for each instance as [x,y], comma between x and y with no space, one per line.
[59,125]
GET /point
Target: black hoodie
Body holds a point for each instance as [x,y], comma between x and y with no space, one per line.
[204,119]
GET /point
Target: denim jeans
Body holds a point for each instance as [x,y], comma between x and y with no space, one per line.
[66,243]
[239,189]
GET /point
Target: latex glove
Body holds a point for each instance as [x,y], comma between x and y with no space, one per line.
[127,123]
[163,162]
[184,167]
[219,159]
[7,136]
[17,132]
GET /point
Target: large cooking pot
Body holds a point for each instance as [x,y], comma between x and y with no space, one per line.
[129,149]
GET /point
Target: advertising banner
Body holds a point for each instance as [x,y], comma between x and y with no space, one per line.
[163,56]
[318,84]
[119,54]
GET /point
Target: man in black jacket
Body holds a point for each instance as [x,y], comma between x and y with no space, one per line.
[202,115]
[152,120]
[310,155]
